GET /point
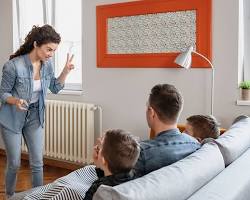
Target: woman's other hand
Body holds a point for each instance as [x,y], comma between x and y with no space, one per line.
[21,105]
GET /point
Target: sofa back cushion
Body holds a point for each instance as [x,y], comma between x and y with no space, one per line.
[233,183]
[175,182]
[235,140]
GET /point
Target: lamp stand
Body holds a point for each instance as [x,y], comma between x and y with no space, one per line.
[212,82]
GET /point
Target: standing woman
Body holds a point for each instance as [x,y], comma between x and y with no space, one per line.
[25,80]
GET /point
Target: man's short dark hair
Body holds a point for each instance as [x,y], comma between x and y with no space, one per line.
[167,102]
[204,126]
[120,150]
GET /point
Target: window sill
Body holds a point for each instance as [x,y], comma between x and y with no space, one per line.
[68,92]
[243,102]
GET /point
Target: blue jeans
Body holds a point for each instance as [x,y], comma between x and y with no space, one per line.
[33,136]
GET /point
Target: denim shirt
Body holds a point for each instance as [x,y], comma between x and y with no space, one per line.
[17,81]
[167,148]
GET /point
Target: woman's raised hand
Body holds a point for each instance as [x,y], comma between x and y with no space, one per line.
[69,65]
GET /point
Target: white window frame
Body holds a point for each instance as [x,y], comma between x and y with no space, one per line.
[246,39]
[70,88]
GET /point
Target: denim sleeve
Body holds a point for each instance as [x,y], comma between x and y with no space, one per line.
[55,86]
[140,165]
[8,81]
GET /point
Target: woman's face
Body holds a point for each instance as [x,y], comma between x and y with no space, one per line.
[46,51]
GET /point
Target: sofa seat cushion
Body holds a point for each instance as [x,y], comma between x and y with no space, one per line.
[175,182]
[235,140]
[233,183]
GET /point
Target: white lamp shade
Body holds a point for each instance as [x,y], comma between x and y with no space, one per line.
[185,59]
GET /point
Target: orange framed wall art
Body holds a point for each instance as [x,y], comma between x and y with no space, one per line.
[151,33]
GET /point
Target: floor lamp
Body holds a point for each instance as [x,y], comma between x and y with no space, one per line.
[185,59]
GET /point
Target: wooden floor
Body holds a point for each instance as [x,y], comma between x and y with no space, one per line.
[24,178]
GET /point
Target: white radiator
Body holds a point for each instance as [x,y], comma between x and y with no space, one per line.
[70,130]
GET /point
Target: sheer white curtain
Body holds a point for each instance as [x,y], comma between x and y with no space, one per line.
[66,17]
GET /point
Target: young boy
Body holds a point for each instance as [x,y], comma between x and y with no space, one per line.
[115,156]
[202,127]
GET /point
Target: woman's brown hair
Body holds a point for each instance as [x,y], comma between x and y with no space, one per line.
[41,35]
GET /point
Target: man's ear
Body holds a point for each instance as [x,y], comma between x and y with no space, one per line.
[154,114]
[151,111]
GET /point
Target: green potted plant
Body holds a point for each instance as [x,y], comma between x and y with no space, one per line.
[245,90]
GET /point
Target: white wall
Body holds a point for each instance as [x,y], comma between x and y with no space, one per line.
[5,31]
[5,34]
[123,93]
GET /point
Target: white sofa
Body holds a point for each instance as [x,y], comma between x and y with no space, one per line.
[220,170]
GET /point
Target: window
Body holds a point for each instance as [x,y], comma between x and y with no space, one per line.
[28,13]
[246,39]
[66,17]
[68,22]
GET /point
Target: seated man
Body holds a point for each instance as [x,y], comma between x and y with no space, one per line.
[169,145]
[202,127]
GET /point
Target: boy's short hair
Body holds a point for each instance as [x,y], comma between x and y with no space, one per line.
[204,126]
[167,102]
[121,150]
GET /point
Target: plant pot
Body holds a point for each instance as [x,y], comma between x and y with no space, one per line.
[245,94]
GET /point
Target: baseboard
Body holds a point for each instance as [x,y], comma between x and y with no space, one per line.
[51,161]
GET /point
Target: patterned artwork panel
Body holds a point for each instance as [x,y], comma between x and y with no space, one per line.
[152,33]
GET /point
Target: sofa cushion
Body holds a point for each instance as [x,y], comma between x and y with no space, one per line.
[233,183]
[235,140]
[175,182]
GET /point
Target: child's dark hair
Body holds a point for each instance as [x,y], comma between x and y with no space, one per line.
[205,126]
[121,150]
[41,35]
